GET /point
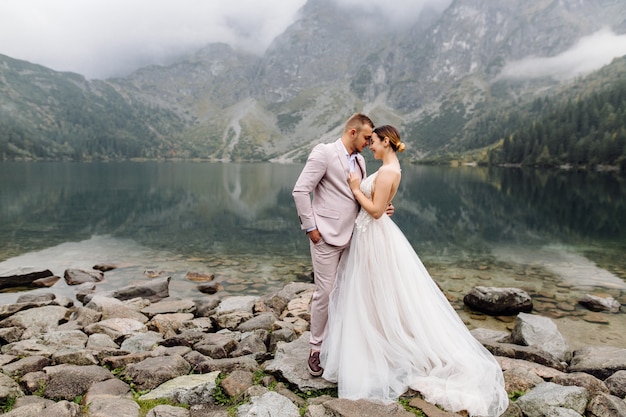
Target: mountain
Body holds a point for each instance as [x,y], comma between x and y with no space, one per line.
[436,78]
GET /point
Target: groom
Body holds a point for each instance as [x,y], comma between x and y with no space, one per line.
[329,218]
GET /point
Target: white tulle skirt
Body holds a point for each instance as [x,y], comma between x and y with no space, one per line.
[390,328]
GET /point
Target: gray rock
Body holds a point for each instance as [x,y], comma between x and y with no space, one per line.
[111,308]
[80,357]
[250,345]
[599,361]
[363,408]
[81,276]
[69,381]
[170,305]
[526,353]
[217,345]
[232,320]
[606,405]
[142,342]
[236,303]
[168,411]
[498,301]
[9,388]
[33,298]
[100,341]
[227,365]
[595,303]
[269,404]
[28,347]
[581,379]
[548,398]
[117,328]
[206,306]
[616,384]
[37,320]
[33,382]
[113,407]
[281,335]
[25,365]
[65,339]
[490,335]
[186,389]
[290,363]
[540,332]
[59,409]
[152,372]
[263,321]
[153,290]
[114,387]
[11,334]
[170,324]
[83,316]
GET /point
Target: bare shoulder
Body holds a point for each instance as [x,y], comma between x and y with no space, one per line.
[390,171]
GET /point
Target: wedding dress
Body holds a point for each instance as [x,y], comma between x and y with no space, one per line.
[390,328]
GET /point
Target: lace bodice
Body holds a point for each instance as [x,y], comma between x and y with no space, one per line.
[364,218]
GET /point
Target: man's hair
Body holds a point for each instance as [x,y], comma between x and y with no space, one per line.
[357,121]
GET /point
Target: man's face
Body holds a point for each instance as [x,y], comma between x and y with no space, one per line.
[363,138]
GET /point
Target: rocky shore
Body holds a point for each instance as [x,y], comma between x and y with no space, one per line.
[136,351]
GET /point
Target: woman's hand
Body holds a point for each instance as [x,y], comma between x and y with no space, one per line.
[354,181]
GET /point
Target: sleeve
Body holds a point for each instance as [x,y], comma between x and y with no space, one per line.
[311,175]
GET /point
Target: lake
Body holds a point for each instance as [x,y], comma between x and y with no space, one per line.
[556,234]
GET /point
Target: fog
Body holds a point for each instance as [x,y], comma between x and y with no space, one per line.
[588,54]
[104,38]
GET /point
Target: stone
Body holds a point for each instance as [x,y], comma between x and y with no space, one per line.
[549,396]
[269,404]
[605,405]
[288,361]
[69,381]
[599,361]
[186,389]
[616,384]
[165,410]
[117,328]
[23,279]
[113,407]
[235,384]
[80,276]
[498,301]
[152,372]
[540,332]
[595,303]
[581,379]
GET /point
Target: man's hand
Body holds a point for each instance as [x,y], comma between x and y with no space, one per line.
[390,210]
[315,235]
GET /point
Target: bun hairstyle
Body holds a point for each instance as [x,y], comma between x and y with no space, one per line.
[391,133]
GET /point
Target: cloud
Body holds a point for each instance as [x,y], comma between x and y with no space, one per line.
[588,54]
[395,12]
[102,38]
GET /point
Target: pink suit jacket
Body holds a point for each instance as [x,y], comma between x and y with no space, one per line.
[333,208]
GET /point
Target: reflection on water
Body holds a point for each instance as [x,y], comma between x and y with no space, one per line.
[486,226]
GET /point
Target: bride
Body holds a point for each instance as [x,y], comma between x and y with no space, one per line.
[391,328]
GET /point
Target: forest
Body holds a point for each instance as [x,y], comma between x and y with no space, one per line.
[585,130]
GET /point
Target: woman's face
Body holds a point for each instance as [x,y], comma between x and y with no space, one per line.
[377,146]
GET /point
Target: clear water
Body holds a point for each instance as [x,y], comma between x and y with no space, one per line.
[556,234]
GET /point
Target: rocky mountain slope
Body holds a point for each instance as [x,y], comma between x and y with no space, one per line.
[432,78]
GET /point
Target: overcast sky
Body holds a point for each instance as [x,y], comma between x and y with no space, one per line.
[102,38]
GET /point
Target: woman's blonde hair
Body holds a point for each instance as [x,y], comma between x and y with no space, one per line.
[390,132]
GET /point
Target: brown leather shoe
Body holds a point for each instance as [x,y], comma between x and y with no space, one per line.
[314,364]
